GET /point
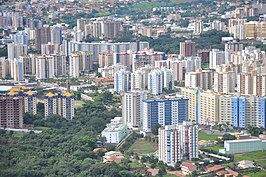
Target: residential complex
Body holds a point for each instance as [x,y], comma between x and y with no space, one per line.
[62,105]
[164,112]
[11,111]
[178,142]
[115,131]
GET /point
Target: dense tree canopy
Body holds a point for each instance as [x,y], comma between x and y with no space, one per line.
[64,148]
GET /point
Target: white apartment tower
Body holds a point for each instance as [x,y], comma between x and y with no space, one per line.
[74,60]
[132,108]
[155,82]
[121,81]
[178,142]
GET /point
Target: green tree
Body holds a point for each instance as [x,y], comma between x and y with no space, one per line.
[228,137]
[155,128]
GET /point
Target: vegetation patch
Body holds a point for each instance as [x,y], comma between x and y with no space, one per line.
[207,137]
[143,147]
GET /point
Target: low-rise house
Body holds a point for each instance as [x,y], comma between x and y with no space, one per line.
[113,156]
[188,167]
[152,172]
[115,131]
[214,169]
[244,164]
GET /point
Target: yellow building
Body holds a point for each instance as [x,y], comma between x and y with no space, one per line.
[255,30]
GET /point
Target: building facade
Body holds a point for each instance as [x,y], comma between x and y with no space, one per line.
[178,142]
[164,112]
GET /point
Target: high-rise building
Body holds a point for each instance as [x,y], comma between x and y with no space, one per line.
[164,112]
[198,27]
[45,67]
[74,64]
[3,67]
[187,48]
[42,36]
[178,142]
[30,102]
[224,82]
[29,64]
[62,105]
[56,35]
[146,57]
[168,82]
[132,108]
[106,59]
[122,81]
[192,94]
[178,68]
[103,29]
[155,82]
[203,106]
[218,25]
[123,58]
[21,38]
[18,70]
[192,63]
[11,111]
[59,65]
[217,57]
[16,50]
[137,78]
[255,30]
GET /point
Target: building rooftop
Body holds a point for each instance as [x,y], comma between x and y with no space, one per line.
[30,93]
[242,141]
[50,95]
[165,99]
[68,94]
[214,168]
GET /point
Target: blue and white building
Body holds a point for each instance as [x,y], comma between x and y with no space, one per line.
[164,112]
[121,81]
[155,82]
[239,110]
[21,38]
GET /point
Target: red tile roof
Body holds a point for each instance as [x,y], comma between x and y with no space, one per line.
[214,168]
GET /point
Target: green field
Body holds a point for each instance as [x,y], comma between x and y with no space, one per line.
[256,174]
[150,5]
[18,134]
[41,128]
[136,165]
[204,136]
[215,148]
[143,147]
[261,162]
[169,175]
[79,102]
[251,155]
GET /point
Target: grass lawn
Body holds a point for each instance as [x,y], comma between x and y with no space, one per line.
[150,5]
[136,165]
[204,136]
[41,128]
[215,148]
[169,175]
[143,147]
[251,155]
[256,174]
[79,102]
[18,134]
[261,163]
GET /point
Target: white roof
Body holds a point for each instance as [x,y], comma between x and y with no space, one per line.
[241,141]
